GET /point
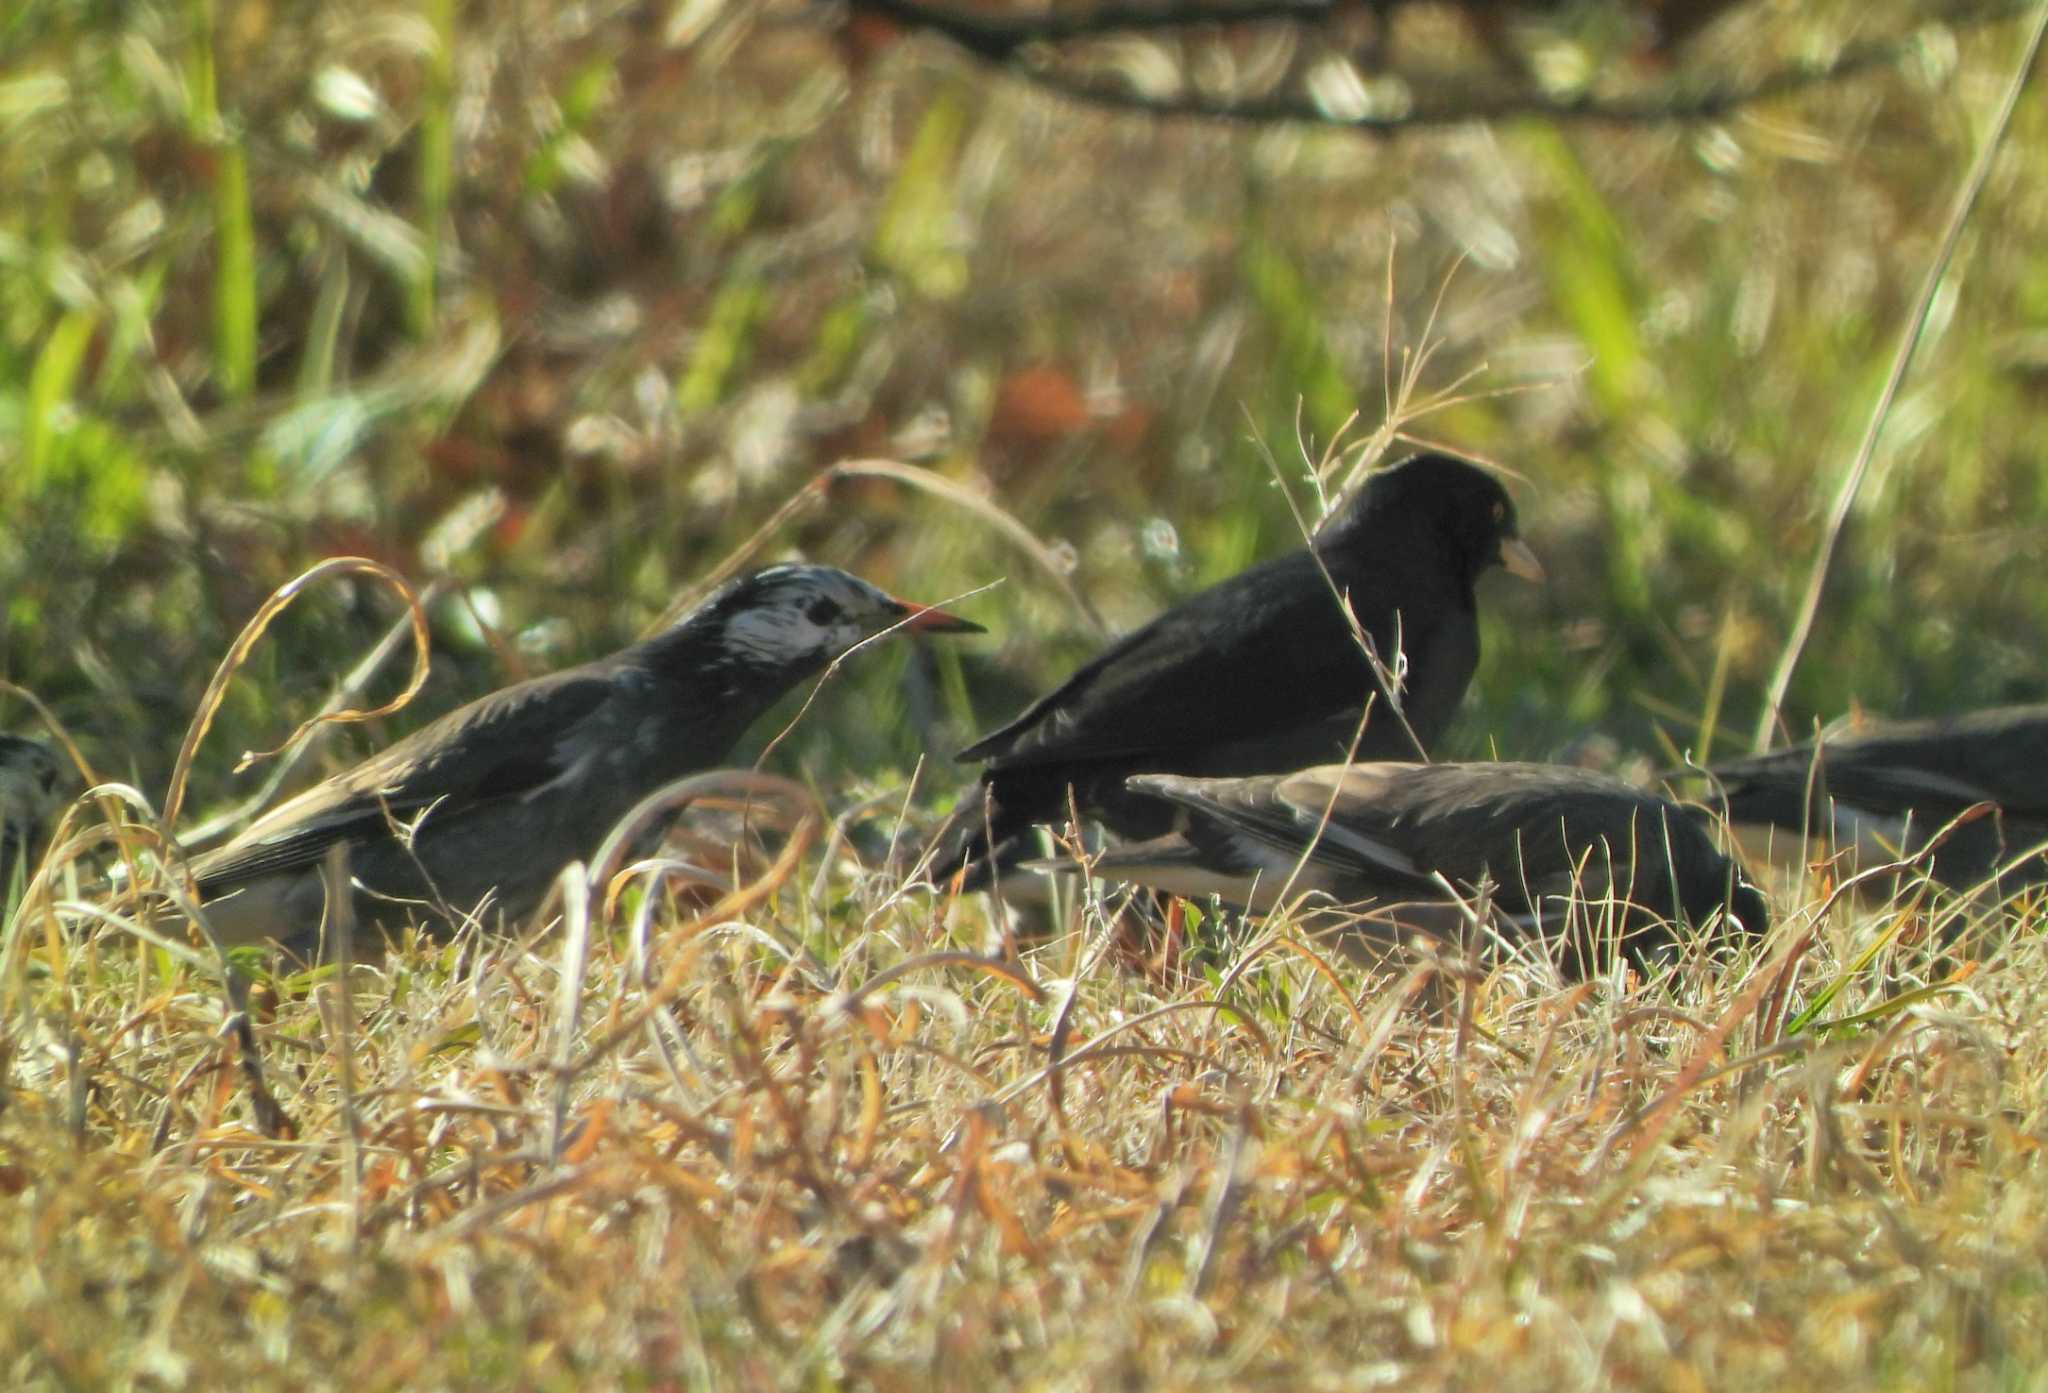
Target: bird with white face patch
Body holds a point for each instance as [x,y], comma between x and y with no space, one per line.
[486,804]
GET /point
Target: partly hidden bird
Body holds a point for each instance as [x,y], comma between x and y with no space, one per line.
[1262,671]
[1889,788]
[29,773]
[1573,858]
[489,802]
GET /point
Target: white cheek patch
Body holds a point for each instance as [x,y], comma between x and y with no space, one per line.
[776,635]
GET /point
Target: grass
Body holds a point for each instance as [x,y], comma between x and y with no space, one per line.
[548,312]
[809,1134]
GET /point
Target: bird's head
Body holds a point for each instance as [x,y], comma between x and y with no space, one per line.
[29,772]
[1454,502]
[801,617]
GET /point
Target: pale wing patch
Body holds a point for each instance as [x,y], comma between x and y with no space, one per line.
[1309,793]
[1170,864]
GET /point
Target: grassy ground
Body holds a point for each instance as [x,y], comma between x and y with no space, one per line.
[555,308]
[816,1140]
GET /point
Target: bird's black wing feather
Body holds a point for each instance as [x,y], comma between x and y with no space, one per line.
[1939,765]
[1394,823]
[1199,672]
[1331,805]
[502,746]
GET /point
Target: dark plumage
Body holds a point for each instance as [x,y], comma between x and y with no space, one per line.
[1261,671]
[496,797]
[28,795]
[1900,782]
[1378,832]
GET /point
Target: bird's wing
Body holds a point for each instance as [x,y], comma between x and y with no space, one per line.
[505,745]
[1940,764]
[1359,830]
[1879,779]
[1896,787]
[1198,673]
[1545,830]
[1468,821]
[1947,763]
[1324,811]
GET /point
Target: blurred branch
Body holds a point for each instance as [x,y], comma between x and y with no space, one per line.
[998,38]
[1010,42]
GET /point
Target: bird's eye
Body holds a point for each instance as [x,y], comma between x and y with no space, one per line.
[822,612]
[1500,512]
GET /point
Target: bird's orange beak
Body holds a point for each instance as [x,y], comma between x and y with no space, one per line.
[928,619]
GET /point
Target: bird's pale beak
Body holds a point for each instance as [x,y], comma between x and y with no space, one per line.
[1519,560]
[926,619]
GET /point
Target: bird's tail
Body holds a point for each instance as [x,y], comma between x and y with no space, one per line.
[961,853]
[989,834]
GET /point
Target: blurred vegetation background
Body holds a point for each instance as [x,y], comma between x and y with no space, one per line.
[562,302]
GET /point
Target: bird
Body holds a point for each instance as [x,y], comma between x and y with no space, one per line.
[28,795]
[1539,834]
[1897,783]
[1261,671]
[492,799]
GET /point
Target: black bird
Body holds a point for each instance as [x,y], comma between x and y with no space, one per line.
[1539,833]
[28,795]
[493,799]
[1261,671]
[1899,782]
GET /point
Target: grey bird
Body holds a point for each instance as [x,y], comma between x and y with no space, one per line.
[1889,786]
[1540,835]
[1261,671]
[489,802]
[29,772]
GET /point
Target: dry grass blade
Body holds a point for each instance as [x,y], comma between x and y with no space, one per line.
[338,1012]
[676,978]
[1643,1129]
[1902,358]
[1100,1044]
[1232,1170]
[740,1126]
[814,493]
[296,751]
[988,511]
[131,836]
[570,994]
[999,968]
[245,643]
[1389,670]
[103,793]
[743,784]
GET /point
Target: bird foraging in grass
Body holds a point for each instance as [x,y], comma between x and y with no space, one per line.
[28,795]
[489,802]
[1542,836]
[1262,671]
[1888,787]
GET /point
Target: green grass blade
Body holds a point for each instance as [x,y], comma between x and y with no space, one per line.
[56,369]
[436,167]
[234,228]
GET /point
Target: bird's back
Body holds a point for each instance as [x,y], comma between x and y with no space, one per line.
[1262,671]
[1935,765]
